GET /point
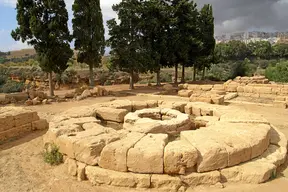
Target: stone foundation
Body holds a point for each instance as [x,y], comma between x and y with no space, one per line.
[223,148]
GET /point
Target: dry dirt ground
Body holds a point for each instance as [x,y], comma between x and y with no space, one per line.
[22,167]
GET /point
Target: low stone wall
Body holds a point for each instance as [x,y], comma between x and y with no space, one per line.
[15,121]
[276,92]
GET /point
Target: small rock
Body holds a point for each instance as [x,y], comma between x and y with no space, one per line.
[86,94]
[168,87]
[36,101]
[29,102]
[79,98]
[69,95]
[45,102]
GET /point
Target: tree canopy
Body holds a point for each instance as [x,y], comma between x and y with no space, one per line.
[88,31]
[44,25]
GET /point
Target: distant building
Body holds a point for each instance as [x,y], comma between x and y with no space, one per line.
[253,36]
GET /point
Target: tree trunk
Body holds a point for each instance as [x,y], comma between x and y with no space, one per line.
[194,73]
[51,87]
[183,74]
[176,74]
[158,83]
[203,73]
[91,77]
[131,80]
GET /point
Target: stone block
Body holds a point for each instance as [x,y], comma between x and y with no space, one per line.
[40,125]
[165,182]
[81,176]
[179,156]
[110,114]
[195,179]
[185,93]
[147,155]
[6,123]
[114,155]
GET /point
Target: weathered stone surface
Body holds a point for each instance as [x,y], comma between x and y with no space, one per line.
[165,182]
[6,122]
[195,179]
[40,125]
[204,121]
[185,93]
[114,155]
[277,137]
[251,172]
[81,176]
[110,114]
[179,156]
[147,155]
[243,117]
[230,96]
[99,176]
[275,155]
[72,166]
[138,105]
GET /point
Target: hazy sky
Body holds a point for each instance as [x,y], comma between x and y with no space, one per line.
[230,16]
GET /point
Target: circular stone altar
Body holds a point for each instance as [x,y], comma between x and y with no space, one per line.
[158,145]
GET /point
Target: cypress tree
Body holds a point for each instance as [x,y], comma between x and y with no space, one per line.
[43,24]
[88,31]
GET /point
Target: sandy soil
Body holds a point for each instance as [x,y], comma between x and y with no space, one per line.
[22,167]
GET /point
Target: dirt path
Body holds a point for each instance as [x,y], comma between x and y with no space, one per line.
[22,167]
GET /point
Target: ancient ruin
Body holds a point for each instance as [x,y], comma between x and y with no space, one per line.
[168,146]
[15,121]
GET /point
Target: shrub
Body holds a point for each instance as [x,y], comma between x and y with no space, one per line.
[278,73]
[12,87]
[52,155]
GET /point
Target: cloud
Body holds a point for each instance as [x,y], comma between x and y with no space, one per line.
[245,15]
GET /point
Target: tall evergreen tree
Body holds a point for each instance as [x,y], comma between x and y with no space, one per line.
[126,40]
[206,26]
[88,31]
[43,24]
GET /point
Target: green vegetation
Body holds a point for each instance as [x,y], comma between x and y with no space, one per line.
[11,87]
[44,25]
[52,155]
[278,72]
[88,31]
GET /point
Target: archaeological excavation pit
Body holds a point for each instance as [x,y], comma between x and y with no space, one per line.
[216,147]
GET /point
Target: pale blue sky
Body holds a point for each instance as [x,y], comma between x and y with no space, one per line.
[230,16]
[8,21]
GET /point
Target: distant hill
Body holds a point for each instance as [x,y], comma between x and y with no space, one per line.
[21,53]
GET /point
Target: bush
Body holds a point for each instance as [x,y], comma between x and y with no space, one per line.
[278,73]
[12,87]
[52,155]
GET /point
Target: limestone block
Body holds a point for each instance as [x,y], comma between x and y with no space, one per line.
[219,100]
[243,117]
[138,105]
[72,166]
[248,89]
[99,176]
[280,104]
[121,104]
[203,121]
[195,179]
[193,87]
[275,155]
[218,87]
[152,103]
[110,114]
[147,155]
[179,156]
[145,125]
[284,91]
[277,137]
[232,88]
[276,90]
[165,182]
[6,123]
[218,92]
[23,118]
[94,126]
[230,96]
[81,176]
[265,90]
[241,89]
[266,96]
[40,124]
[206,87]
[114,125]
[185,93]
[251,172]
[88,149]
[114,155]
[280,98]
[76,121]
[16,131]
[212,155]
